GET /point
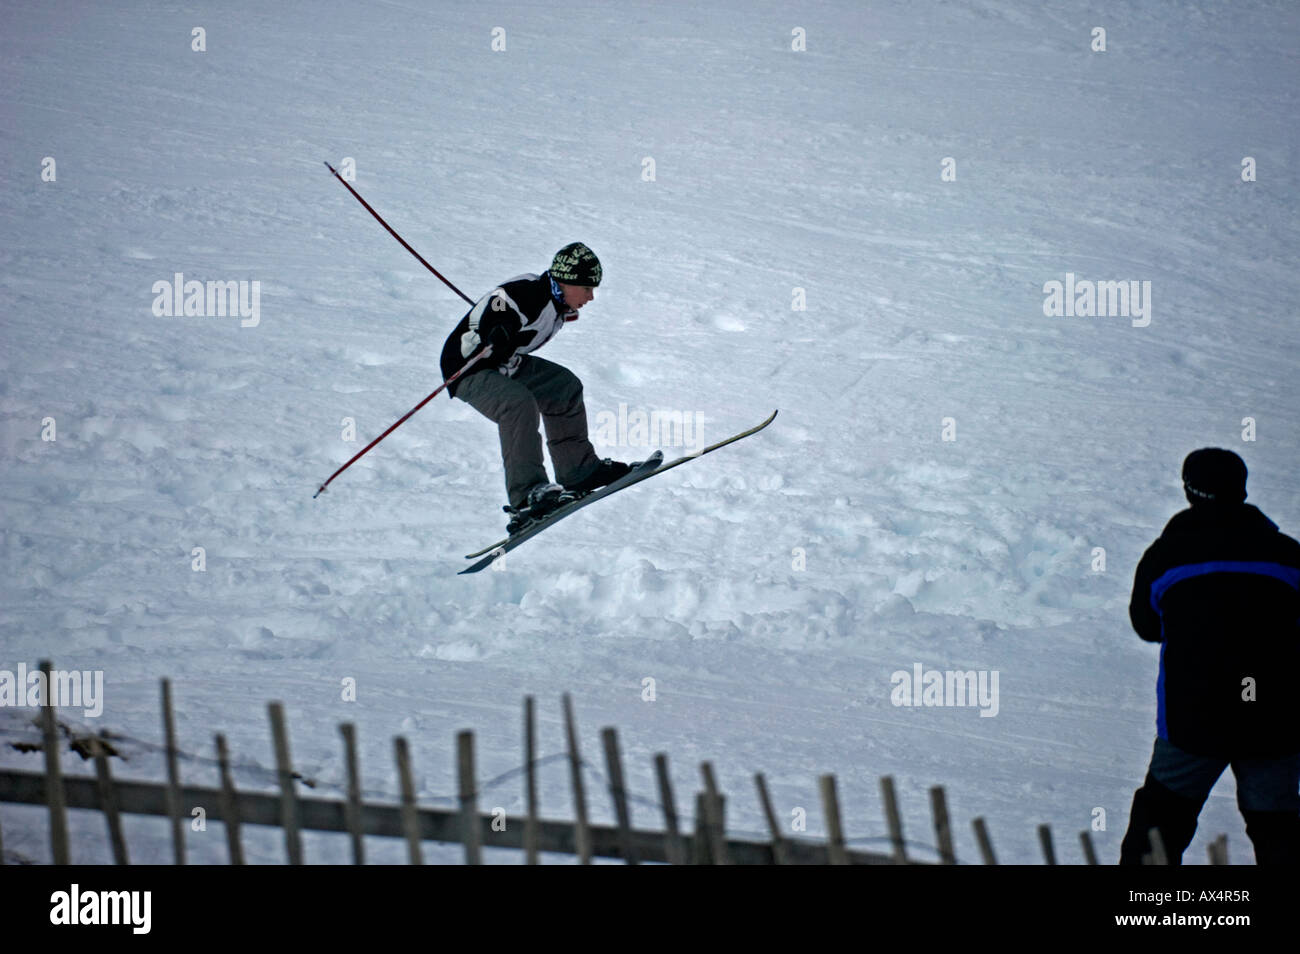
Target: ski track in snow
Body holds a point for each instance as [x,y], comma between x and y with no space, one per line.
[774,170]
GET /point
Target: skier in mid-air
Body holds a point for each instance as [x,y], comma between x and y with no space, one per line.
[514,388]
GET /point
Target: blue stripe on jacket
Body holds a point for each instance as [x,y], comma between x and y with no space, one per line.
[1162,723]
[1287,574]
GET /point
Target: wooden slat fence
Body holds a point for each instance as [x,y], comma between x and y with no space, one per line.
[707,843]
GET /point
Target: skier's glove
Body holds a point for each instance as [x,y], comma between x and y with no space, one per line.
[499,339]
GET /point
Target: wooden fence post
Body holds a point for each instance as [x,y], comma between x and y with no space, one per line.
[108,802]
[700,843]
[1218,850]
[893,819]
[985,843]
[581,835]
[1157,856]
[779,855]
[53,777]
[352,810]
[288,798]
[713,815]
[942,827]
[229,804]
[1045,839]
[673,839]
[614,768]
[410,814]
[835,851]
[1089,853]
[530,783]
[174,807]
[468,797]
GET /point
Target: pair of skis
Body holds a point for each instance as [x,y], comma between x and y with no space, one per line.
[647,469]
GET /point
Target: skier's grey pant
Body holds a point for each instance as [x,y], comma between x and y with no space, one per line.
[539,389]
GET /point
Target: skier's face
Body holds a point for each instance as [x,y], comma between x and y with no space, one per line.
[575,296]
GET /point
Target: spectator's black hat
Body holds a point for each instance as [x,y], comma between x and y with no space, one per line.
[1214,475]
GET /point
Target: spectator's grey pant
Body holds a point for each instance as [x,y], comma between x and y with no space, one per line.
[539,388]
[1177,785]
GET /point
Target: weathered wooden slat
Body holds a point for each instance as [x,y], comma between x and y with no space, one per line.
[1089,853]
[1218,850]
[614,769]
[779,854]
[1158,855]
[289,820]
[985,843]
[893,819]
[714,817]
[54,791]
[672,835]
[410,813]
[108,803]
[575,777]
[942,826]
[384,821]
[173,775]
[530,782]
[470,834]
[353,804]
[1045,840]
[700,854]
[229,804]
[831,809]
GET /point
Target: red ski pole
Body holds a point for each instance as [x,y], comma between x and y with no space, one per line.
[380,219]
[483,353]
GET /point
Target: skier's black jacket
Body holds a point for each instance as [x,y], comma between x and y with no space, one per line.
[1220,589]
[516,317]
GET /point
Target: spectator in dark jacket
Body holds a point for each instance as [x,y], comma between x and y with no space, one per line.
[1220,591]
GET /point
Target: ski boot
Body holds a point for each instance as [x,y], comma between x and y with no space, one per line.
[606,472]
[541,500]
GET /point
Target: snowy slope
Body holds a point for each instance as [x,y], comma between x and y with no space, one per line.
[769,590]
